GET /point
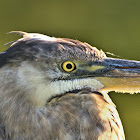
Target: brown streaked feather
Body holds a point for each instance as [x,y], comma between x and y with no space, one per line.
[71,117]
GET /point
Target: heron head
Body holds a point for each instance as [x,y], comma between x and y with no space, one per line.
[42,67]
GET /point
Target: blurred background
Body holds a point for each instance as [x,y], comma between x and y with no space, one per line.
[110,25]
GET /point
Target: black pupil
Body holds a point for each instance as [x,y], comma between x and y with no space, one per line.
[69,66]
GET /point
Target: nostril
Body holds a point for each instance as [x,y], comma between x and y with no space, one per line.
[125,67]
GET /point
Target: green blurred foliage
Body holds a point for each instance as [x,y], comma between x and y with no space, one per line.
[111,25]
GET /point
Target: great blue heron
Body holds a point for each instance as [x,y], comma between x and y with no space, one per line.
[56,89]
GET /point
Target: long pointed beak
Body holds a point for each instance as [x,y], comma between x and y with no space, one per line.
[119,75]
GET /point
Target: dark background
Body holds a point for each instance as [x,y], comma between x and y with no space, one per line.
[111,25]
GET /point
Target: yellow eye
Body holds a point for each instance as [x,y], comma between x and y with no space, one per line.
[68,66]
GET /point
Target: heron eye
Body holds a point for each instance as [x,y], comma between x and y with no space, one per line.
[68,66]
